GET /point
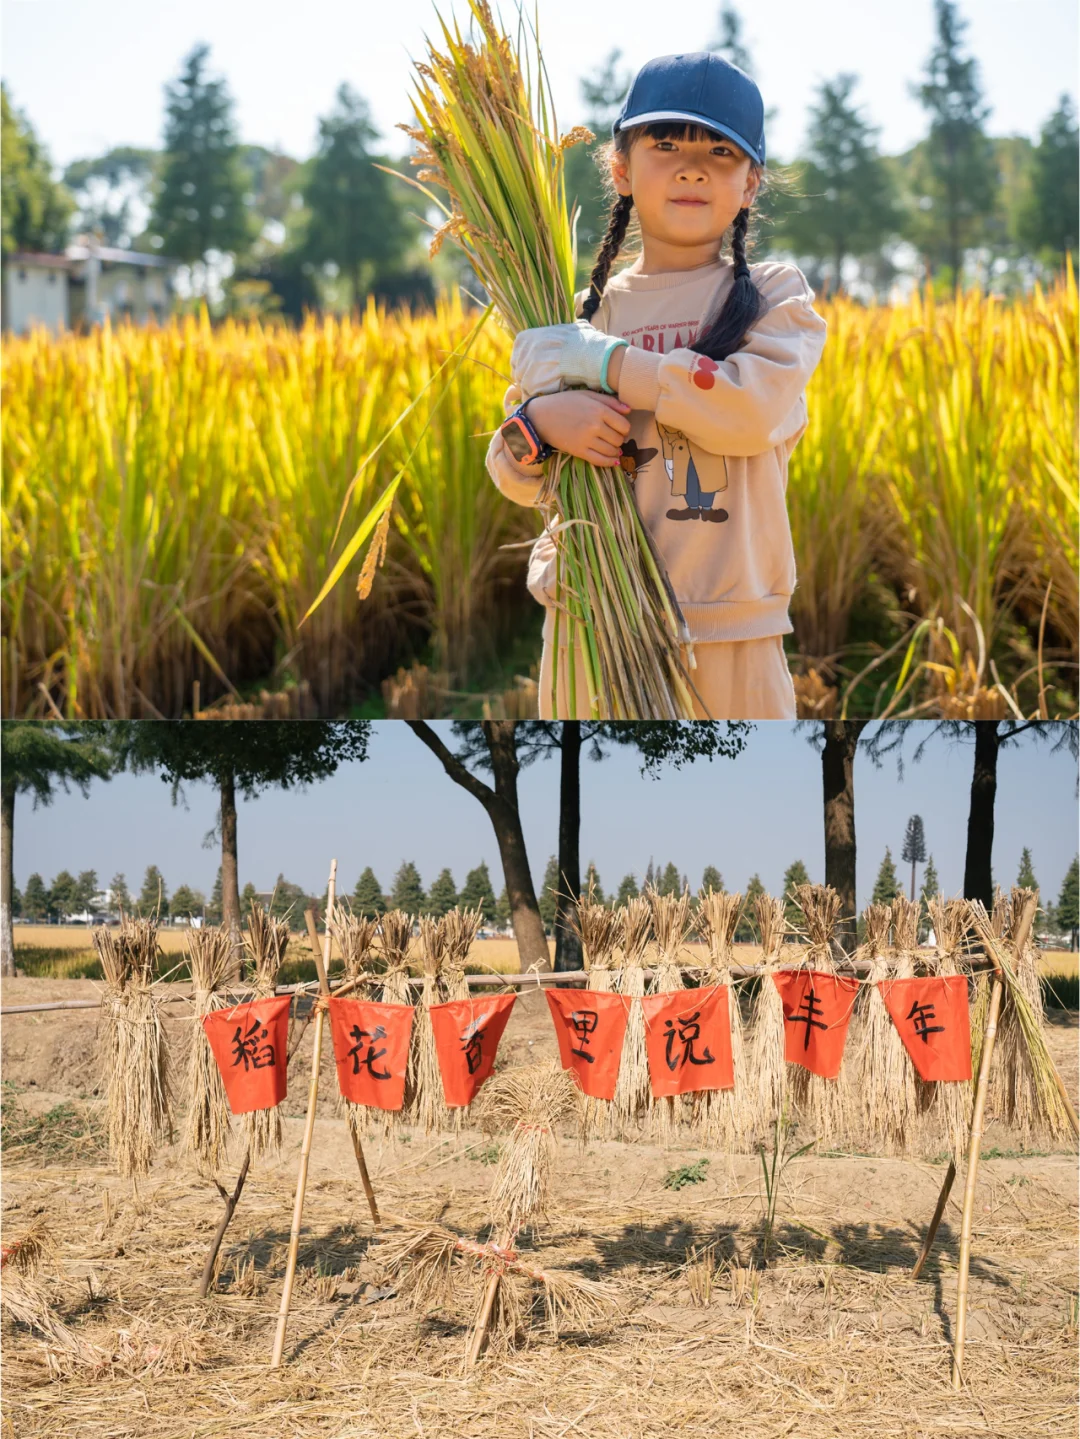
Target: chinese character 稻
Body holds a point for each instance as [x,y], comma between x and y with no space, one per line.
[246,1048]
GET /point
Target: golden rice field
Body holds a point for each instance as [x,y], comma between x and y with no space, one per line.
[173,495]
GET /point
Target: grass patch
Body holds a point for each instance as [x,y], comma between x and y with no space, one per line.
[68,1131]
[695,1173]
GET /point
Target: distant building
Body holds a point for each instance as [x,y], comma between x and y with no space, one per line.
[82,286]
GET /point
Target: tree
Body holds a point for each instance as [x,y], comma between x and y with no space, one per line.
[886,886]
[840,741]
[502,909]
[914,851]
[288,902]
[215,908]
[592,885]
[711,878]
[119,896]
[248,898]
[547,896]
[477,890]
[86,888]
[199,206]
[650,876]
[744,930]
[1067,909]
[958,173]
[500,802]
[187,903]
[63,895]
[796,873]
[930,887]
[36,211]
[35,901]
[232,755]
[670,881]
[628,889]
[1026,876]
[368,900]
[357,216]
[442,896]
[408,892]
[154,897]
[35,756]
[1048,219]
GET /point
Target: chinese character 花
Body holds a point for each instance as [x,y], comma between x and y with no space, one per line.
[367,1039]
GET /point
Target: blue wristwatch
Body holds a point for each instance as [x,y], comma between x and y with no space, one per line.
[521,438]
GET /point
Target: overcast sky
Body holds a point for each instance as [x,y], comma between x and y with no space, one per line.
[756,813]
[91,77]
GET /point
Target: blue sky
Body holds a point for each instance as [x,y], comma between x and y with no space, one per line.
[756,813]
[92,77]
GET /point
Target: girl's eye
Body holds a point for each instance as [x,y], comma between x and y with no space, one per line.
[724,148]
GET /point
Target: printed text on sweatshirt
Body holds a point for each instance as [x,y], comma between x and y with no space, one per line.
[709,441]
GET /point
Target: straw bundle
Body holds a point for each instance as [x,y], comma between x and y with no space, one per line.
[354,936]
[598,929]
[821,1102]
[904,1096]
[484,134]
[767,1070]
[950,1113]
[395,935]
[724,1116]
[460,927]
[266,940]
[206,1128]
[1023,1090]
[873,1071]
[423,1086]
[528,1101]
[135,1050]
[633,1093]
[671,918]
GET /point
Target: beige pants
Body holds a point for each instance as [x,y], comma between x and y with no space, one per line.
[736,679]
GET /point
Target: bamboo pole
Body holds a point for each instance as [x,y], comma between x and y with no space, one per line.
[487,1306]
[931,1233]
[309,1129]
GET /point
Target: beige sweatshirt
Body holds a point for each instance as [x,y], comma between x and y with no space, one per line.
[704,435]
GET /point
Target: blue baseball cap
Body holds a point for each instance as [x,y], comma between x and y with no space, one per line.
[700,88]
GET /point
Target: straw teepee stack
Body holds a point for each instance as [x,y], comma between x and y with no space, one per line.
[767,1070]
[724,1116]
[821,1102]
[672,918]
[633,1093]
[266,940]
[207,1124]
[135,1050]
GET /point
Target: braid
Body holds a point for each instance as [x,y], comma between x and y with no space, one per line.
[739,227]
[605,257]
[720,337]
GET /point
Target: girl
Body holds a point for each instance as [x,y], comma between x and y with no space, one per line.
[695,369]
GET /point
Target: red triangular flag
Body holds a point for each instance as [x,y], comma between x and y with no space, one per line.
[467,1034]
[817,1012]
[688,1040]
[371,1050]
[249,1043]
[931,1017]
[589,1026]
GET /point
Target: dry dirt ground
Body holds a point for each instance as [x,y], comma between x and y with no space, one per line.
[832,1339]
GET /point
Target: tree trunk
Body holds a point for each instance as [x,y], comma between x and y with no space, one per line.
[230,883]
[501,804]
[567,941]
[978,881]
[7,860]
[838,776]
[913,880]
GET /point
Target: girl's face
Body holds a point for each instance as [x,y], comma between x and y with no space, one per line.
[686,192]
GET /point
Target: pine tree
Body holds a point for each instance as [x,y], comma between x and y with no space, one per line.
[288,902]
[442,896]
[930,886]
[186,903]
[914,851]
[670,881]
[408,892]
[63,895]
[628,889]
[546,898]
[796,873]
[153,897]
[86,888]
[249,895]
[1067,909]
[35,900]
[650,876]
[591,885]
[886,886]
[1026,877]
[368,900]
[502,909]
[215,909]
[711,878]
[478,891]
[120,898]
[744,930]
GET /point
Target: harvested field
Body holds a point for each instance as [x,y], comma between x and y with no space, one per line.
[832,1339]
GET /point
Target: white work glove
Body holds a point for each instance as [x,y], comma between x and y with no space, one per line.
[553,357]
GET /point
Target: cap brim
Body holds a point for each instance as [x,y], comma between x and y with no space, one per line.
[652,116]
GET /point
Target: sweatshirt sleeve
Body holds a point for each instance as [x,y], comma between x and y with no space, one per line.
[520,483]
[748,403]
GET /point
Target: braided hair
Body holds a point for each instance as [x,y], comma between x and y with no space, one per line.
[719,335]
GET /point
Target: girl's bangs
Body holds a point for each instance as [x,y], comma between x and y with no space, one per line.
[682,130]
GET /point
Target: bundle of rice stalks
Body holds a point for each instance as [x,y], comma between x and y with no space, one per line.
[821,1102]
[633,1093]
[1024,1088]
[135,1050]
[25,1253]
[266,940]
[486,134]
[767,1070]
[949,1114]
[724,1116]
[526,1102]
[207,1125]
[460,928]
[395,936]
[423,1086]
[598,929]
[354,936]
[873,1072]
[672,918]
[26,1302]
